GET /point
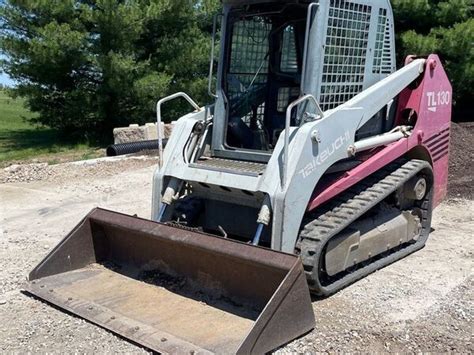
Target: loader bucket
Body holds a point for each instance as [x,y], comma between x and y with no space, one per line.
[174,290]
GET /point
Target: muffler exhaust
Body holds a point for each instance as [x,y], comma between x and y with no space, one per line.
[174,290]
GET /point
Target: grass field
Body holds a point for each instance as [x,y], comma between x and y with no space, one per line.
[22,141]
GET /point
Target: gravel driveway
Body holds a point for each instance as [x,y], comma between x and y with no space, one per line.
[423,303]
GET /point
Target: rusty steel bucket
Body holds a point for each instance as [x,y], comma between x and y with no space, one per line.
[174,290]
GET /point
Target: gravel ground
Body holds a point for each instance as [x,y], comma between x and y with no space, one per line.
[60,173]
[423,303]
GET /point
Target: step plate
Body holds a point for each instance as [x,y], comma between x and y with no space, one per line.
[231,166]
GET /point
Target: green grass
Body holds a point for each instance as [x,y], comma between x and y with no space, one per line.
[22,141]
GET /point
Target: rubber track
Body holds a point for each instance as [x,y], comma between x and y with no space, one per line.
[321,226]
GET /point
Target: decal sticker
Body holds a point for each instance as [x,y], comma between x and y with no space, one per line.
[437,99]
[325,154]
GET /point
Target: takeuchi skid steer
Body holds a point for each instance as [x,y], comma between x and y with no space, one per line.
[317,164]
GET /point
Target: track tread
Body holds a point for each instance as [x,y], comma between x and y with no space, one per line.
[321,225]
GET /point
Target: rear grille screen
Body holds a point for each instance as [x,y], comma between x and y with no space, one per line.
[345,52]
[382,56]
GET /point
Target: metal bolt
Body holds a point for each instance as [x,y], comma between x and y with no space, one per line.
[90,308]
[136,328]
[164,339]
[316,136]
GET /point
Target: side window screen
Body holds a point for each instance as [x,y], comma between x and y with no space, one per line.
[250,46]
[289,59]
[248,71]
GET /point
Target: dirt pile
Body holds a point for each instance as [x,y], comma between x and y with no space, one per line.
[25,172]
[461,161]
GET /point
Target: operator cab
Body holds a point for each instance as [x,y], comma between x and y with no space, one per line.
[261,73]
[274,53]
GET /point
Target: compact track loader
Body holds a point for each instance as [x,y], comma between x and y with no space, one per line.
[317,164]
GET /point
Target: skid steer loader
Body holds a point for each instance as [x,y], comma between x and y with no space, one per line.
[317,164]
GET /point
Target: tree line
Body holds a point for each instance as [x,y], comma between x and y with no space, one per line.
[87,66]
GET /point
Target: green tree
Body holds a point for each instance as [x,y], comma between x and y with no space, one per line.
[442,27]
[88,66]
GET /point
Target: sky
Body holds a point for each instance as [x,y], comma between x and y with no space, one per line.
[5,80]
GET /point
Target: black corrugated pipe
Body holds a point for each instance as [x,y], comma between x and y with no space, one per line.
[133,147]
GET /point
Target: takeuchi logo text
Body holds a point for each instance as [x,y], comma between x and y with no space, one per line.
[325,154]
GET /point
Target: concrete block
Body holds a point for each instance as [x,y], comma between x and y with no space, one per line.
[136,133]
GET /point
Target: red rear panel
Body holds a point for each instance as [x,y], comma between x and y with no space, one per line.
[426,102]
